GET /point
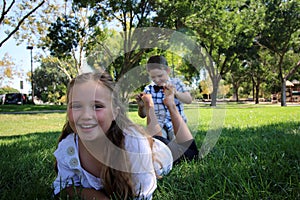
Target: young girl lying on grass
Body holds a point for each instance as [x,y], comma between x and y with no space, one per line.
[101,154]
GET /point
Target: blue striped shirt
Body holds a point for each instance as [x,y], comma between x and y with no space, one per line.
[161,111]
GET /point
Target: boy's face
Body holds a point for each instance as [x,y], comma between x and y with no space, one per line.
[159,76]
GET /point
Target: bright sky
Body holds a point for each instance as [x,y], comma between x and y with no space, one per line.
[21,57]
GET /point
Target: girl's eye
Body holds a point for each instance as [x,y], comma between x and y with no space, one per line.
[98,106]
[75,106]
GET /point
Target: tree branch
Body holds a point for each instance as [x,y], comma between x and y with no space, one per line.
[293,70]
[20,23]
[4,12]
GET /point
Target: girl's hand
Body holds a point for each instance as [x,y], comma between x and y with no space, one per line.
[139,99]
[147,99]
[169,89]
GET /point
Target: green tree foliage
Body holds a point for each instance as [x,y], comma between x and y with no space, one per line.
[280,35]
[236,77]
[54,85]
[65,35]
[225,29]
[128,16]
[225,32]
[69,37]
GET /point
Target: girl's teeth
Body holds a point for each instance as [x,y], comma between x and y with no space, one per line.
[86,126]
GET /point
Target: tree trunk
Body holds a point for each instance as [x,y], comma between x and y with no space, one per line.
[237,94]
[214,97]
[253,88]
[283,92]
[215,82]
[257,93]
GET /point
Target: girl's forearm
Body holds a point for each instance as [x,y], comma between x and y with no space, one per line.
[83,193]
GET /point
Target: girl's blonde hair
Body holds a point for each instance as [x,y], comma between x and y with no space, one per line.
[117,183]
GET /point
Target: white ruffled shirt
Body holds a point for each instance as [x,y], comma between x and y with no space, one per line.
[144,168]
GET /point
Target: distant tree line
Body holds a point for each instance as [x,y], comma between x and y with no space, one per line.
[250,45]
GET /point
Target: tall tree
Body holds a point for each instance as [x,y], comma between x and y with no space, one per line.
[236,76]
[127,16]
[280,35]
[69,37]
[256,67]
[225,30]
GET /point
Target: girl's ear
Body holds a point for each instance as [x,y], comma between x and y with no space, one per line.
[116,112]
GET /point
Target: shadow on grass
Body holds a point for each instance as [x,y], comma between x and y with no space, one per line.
[254,163]
[27,165]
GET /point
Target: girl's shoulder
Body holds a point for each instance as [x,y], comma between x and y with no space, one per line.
[67,150]
[70,137]
[70,140]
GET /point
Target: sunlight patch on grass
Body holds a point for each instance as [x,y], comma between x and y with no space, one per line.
[20,124]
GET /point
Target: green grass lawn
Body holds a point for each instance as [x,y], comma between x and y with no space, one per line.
[256,156]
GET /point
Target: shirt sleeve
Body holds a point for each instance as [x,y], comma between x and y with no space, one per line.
[147,163]
[140,155]
[180,86]
[147,89]
[67,162]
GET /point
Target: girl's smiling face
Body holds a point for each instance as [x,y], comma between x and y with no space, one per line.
[90,110]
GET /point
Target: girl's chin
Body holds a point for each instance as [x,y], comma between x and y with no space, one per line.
[90,135]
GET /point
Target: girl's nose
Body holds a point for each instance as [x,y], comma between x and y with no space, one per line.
[87,113]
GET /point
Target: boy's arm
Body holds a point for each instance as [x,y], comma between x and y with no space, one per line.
[180,91]
[184,97]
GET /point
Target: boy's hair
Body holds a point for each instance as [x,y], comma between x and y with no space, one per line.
[157,62]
